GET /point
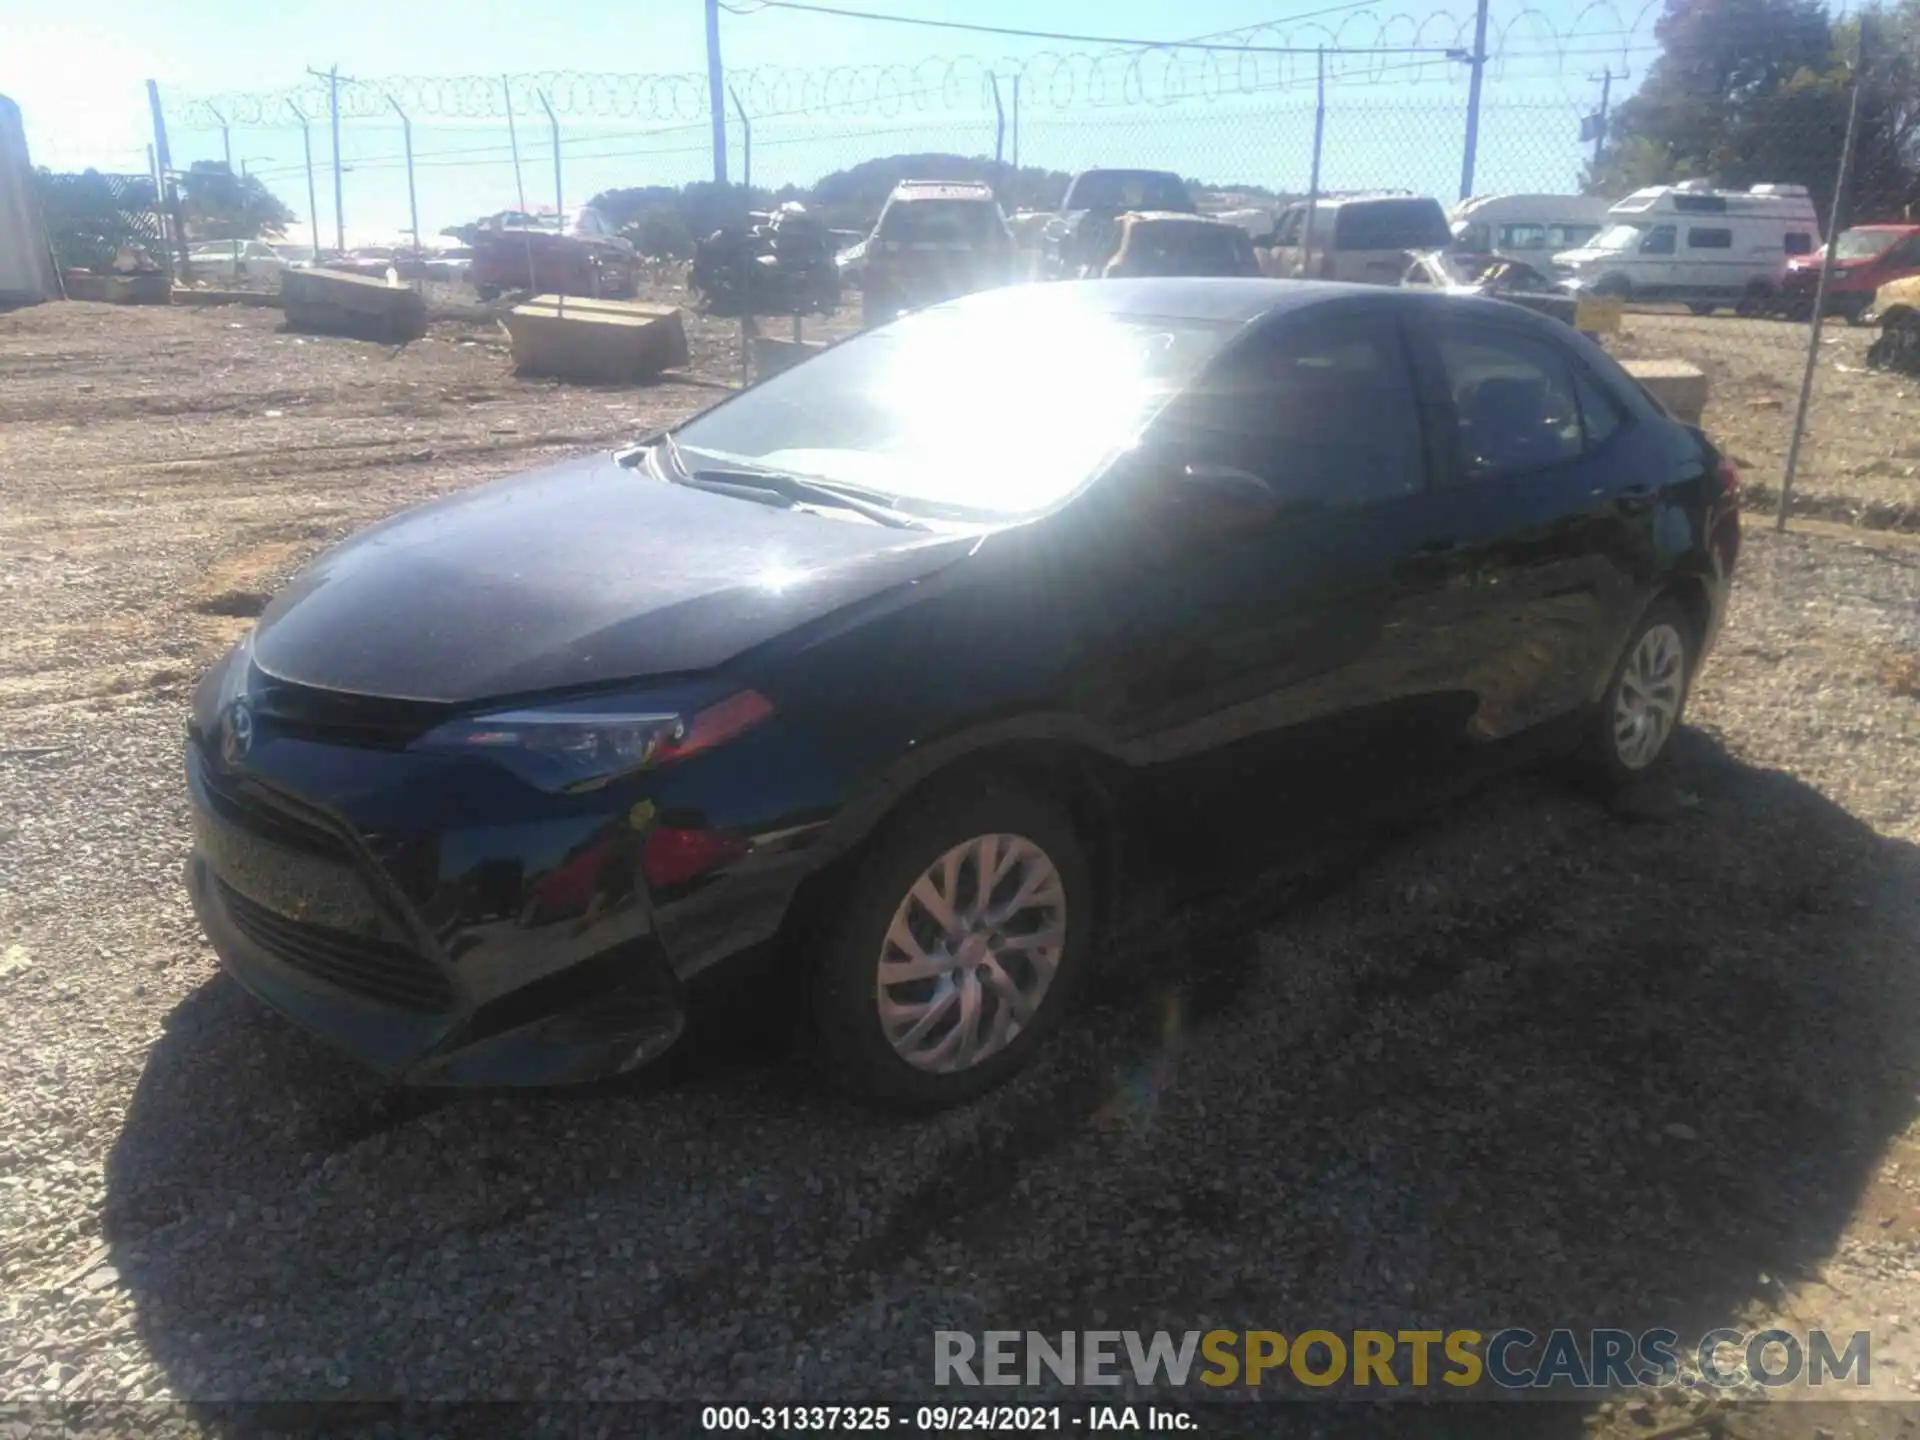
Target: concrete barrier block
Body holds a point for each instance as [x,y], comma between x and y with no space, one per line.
[331,302]
[610,341]
[1676,384]
[154,289]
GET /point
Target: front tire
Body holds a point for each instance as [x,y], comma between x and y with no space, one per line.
[963,938]
[1632,733]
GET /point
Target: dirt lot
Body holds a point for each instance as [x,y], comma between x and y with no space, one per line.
[1860,460]
[1523,1062]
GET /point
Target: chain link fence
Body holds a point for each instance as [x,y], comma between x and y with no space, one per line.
[1389,100]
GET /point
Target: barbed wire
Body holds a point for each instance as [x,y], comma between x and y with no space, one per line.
[1363,46]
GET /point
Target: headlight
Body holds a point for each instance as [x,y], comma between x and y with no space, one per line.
[569,748]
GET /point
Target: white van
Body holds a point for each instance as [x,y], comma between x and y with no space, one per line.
[1697,245]
[1530,228]
[1367,238]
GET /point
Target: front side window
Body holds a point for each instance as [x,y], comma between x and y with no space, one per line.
[1659,241]
[1514,404]
[1324,414]
[1288,231]
[1570,237]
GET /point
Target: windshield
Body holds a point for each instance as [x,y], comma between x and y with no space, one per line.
[1863,244]
[1617,237]
[992,407]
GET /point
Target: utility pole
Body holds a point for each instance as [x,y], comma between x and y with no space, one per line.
[1478,60]
[313,200]
[716,94]
[1016,123]
[226,136]
[332,77]
[1606,79]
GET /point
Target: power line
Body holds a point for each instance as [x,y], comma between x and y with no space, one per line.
[1120,42]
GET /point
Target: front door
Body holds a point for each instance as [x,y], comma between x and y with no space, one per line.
[1296,640]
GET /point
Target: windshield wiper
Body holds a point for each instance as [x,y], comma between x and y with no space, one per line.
[795,490]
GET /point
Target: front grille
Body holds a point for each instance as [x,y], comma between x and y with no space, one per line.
[377,969]
[273,822]
[332,717]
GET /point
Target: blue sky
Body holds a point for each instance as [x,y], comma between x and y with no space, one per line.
[1395,120]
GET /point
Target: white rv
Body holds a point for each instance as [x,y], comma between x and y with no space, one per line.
[1697,245]
[1531,228]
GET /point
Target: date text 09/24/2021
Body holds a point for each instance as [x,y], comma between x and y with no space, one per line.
[942,1419]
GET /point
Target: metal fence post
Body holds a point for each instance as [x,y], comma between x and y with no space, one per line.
[413,204]
[1319,138]
[999,133]
[313,196]
[332,77]
[1826,277]
[746,136]
[169,196]
[1470,153]
[559,205]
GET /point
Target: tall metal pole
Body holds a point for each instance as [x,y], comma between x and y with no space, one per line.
[513,139]
[313,200]
[1319,139]
[716,94]
[413,206]
[746,135]
[169,194]
[1478,60]
[1826,279]
[332,77]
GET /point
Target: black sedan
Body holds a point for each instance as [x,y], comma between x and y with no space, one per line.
[875,672]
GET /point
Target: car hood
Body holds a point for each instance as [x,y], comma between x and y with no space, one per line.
[586,573]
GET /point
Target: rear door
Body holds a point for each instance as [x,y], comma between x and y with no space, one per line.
[1550,514]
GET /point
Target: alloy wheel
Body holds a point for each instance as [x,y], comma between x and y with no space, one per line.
[1647,703]
[970,953]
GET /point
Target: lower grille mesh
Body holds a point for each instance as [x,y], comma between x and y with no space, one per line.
[377,969]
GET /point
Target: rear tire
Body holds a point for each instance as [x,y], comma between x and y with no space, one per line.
[967,960]
[1630,736]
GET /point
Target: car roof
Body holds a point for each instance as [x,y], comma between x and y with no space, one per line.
[1244,299]
[942,190]
[1178,217]
[1898,227]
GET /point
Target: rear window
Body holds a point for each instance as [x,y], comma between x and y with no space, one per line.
[1413,224]
[1206,248]
[971,222]
[1131,192]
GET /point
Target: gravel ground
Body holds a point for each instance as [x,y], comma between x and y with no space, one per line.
[1521,1060]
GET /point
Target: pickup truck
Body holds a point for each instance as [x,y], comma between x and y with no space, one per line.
[1081,231]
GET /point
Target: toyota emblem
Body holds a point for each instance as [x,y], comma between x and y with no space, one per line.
[236,736]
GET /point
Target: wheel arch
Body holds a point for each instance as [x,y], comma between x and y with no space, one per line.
[1044,758]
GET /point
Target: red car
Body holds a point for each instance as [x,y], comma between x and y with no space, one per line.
[578,253]
[1864,258]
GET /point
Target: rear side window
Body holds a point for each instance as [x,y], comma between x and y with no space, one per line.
[1514,402]
[1412,224]
[1288,231]
[1709,238]
[1324,414]
[1522,237]
[1798,242]
[1570,237]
